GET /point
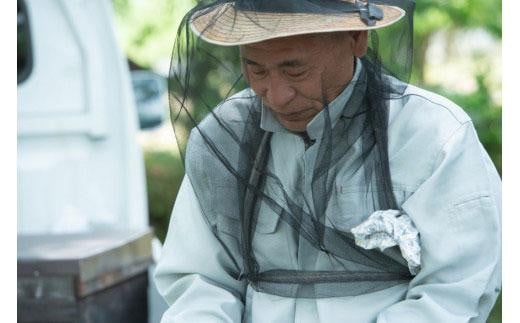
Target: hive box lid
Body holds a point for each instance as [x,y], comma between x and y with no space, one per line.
[90,261]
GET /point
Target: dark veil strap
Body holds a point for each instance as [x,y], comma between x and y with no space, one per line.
[280,276]
[229,151]
[250,199]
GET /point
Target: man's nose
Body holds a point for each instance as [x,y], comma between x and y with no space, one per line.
[279,92]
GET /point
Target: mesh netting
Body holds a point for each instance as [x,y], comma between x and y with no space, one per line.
[231,164]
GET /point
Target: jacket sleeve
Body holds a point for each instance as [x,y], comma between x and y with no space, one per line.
[457,212]
[194,273]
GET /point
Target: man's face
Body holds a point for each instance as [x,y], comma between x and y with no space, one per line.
[295,75]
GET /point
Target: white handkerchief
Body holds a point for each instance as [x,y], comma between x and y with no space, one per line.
[390,228]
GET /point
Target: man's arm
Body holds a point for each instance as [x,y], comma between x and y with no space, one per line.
[193,274]
[457,212]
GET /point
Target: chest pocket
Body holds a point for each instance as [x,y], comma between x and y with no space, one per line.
[229,222]
[349,206]
[268,220]
[229,231]
[267,223]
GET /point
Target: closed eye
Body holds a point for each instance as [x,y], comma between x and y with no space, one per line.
[257,72]
[254,68]
[296,74]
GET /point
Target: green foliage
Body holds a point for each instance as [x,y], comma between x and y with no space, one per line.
[432,15]
[146,28]
[164,173]
[448,15]
[496,314]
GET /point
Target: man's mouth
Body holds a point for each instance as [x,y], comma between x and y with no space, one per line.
[295,116]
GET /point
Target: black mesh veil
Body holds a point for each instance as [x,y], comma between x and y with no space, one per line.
[228,156]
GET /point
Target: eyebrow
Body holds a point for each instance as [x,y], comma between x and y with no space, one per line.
[287,63]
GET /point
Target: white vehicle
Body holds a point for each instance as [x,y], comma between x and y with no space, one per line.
[79,164]
[80,168]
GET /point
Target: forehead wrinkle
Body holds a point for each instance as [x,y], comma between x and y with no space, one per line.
[290,63]
[293,48]
[290,56]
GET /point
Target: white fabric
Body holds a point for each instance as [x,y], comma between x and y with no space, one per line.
[388,228]
[443,179]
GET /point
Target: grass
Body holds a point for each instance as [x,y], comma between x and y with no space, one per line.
[164,172]
[496,313]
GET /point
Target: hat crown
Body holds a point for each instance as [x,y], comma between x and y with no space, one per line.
[298,6]
[368,12]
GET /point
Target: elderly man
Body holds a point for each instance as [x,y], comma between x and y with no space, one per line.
[329,189]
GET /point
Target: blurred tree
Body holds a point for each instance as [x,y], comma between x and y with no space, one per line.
[146,28]
[450,15]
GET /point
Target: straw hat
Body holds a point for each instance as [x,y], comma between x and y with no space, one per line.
[224,25]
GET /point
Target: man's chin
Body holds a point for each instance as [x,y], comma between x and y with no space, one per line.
[298,122]
[294,126]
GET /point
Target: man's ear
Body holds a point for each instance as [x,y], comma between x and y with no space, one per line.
[359,42]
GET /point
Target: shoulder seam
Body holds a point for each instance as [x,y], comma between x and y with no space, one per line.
[448,139]
[461,122]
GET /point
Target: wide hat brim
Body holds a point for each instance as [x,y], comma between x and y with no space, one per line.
[224,25]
